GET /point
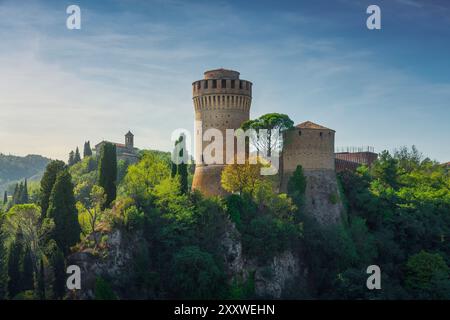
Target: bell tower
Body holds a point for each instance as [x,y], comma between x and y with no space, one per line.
[129,140]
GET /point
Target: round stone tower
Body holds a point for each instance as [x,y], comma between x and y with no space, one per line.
[221,101]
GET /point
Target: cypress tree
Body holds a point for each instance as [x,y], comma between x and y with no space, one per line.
[14,266]
[64,213]
[107,172]
[27,275]
[183,173]
[77,157]
[87,152]
[5,197]
[47,182]
[71,161]
[16,194]
[182,168]
[59,269]
[40,285]
[3,262]
[24,198]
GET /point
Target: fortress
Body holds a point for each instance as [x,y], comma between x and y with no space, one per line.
[222,101]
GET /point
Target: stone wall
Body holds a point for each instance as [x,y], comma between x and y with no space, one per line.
[311,148]
[221,101]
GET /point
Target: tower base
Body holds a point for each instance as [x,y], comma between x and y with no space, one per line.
[207,179]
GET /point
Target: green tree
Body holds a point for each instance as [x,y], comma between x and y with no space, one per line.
[16,194]
[59,271]
[40,283]
[5,198]
[196,275]
[14,266]
[107,172]
[426,273]
[297,186]
[71,160]
[3,261]
[27,276]
[385,169]
[103,290]
[64,213]
[87,151]
[90,215]
[275,124]
[179,165]
[47,183]
[24,198]
[142,177]
[76,157]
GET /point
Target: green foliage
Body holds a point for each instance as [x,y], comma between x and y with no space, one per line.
[196,275]
[3,260]
[143,177]
[107,172]
[87,151]
[427,275]
[395,209]
[15,259]
[103,290]
[13,168]
[47,182]
[297,186]
[64,213]
[275,124]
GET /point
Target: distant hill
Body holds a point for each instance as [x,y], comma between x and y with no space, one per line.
[14,168]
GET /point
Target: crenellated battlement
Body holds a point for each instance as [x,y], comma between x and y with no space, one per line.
[222,86]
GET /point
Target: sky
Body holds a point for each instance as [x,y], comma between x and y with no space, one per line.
[132,63]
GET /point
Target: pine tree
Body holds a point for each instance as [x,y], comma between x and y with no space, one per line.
[5,198]
[64,213]
[87,152]
[71,161]
[77,157]
[14,266]
[47,183]
[107,175]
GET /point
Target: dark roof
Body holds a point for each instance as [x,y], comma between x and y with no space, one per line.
[311,125]
[129,134]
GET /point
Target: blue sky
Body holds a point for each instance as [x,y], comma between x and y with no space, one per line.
[131,66]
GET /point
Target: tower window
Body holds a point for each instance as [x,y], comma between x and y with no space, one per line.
[198,85]
[232,83]
[224,83]
[214,84]
[240,84]
[321,134]
[206,84]
[299,133]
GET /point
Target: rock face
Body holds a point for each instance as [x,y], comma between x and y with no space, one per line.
[322,196]
[272,278]
[113,266]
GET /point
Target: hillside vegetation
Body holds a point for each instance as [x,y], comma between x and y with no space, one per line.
[158,240]
[14,168]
